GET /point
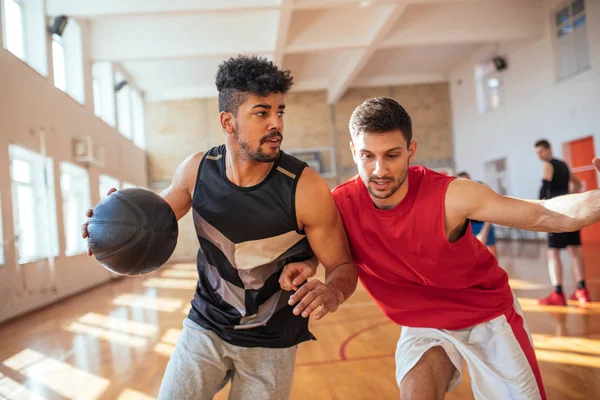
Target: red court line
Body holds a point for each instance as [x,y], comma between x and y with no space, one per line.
[325,362]
[355,335]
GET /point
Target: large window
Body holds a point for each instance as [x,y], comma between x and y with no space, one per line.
[571,41]
[103,83]
[34,205]
[130,111]
[107,183]
[67,61]
[24,32]
[489,86]
[137,105]
[123,105]
[75,189]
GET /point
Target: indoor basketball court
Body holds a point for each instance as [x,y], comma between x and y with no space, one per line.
[152,203]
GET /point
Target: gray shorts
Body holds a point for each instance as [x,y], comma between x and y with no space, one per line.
[202,364]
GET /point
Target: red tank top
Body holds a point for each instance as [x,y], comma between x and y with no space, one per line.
[416,276]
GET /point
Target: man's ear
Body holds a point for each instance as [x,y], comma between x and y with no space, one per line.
[412,151]
[227,122]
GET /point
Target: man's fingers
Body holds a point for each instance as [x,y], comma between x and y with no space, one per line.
[322,312]
[89,212]
[285,281]
[596,162]
[111,190]
[318,301]
[305,273]
[303,291]
[305,303]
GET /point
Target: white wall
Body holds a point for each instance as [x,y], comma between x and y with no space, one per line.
[535,106]
[29,102]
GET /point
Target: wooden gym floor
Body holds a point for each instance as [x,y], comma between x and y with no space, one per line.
[113,342]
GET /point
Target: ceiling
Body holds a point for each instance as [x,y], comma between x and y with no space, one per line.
[171,49]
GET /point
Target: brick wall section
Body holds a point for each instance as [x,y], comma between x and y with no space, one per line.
[178,128]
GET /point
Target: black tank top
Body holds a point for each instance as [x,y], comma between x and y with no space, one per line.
[560,179]
[247,235]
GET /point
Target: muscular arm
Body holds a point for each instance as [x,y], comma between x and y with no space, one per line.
[179,193]
[467,199]
[319,217]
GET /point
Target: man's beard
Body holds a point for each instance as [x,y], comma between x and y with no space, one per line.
[390,192]
[258,154]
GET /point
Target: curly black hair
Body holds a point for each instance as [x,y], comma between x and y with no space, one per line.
[243,74]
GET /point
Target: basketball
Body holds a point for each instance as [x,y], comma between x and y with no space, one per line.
[132,232]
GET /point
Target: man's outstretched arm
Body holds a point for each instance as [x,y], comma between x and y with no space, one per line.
[568,213]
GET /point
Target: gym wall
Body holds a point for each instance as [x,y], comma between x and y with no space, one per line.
[175,129]
[30,102]
[535,104]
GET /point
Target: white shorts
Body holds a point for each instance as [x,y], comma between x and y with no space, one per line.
[499,354]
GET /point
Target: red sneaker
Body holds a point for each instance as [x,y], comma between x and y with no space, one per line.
[581,295]
[554,299]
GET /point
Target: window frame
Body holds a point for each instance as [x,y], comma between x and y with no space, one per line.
[555,29]
[42,170]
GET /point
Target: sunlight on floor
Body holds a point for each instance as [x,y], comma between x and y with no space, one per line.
[58,376]
[574,344]
[130,394]
[119,324]
[168,342]
[568,358]
[518,284]
[111,336]
[183,267]
[147,302]
[165,283]
[12,390]
[532,305]
[172,273]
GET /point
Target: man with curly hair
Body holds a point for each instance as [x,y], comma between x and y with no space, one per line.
[257,211]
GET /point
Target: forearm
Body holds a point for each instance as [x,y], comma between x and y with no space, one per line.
[342,279]
[573,212]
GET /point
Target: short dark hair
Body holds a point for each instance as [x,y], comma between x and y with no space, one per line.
[239,76]
[378,115]
[463,173]
[543,143]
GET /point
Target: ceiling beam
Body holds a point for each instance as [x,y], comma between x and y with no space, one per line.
[464,23]
[349,73]
[320,4]
[95,8]
[180,36]
[283,26]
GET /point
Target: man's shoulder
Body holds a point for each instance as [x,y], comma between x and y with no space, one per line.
[347,188]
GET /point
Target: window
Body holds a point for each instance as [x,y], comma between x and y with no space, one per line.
[75,189]
[58,63]
[34,205]
[13,31]
[571,40]
[67,61]
[124,106]
[489,86]
[104,92]
[24,32]
[107,183]
[139,136]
